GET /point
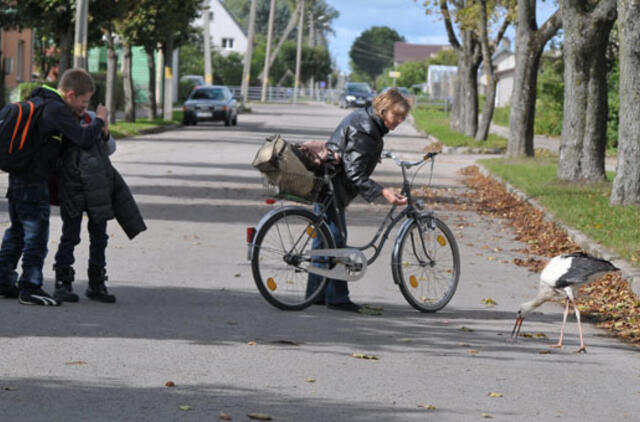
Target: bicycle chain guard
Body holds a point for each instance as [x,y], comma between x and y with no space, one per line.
[350,264]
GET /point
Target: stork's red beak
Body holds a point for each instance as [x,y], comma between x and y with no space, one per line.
[516,328]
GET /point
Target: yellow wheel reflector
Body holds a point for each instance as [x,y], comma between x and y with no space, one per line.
[413,281]
[441,240]
[271,284]
[311,232]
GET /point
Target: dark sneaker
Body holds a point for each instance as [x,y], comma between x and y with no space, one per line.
[346,306]
[36,296]
[9,291]
[64,292]
[99,293]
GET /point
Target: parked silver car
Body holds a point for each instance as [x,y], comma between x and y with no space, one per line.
[211,103]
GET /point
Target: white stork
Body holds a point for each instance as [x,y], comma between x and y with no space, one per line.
[562,276]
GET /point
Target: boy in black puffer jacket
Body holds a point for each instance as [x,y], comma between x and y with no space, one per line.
[87,182]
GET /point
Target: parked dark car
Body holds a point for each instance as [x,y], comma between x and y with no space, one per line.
[356,94]
[211,103]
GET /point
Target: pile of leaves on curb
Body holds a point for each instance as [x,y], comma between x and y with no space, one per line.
[609,301]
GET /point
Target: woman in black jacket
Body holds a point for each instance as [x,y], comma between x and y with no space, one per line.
[358,142]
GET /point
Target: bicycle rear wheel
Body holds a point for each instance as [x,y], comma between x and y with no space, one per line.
[281,255]
[426,264]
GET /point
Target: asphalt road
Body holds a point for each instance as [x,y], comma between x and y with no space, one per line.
[187,310]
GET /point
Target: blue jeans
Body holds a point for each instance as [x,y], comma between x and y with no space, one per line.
[28,234]
[337,291]
[71,227]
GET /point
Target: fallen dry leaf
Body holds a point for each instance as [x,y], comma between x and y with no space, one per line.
[363,356]
[489,302]
[427,406]
[459,344]
[76,362]
[287,342]
[487,416]
[405,340]
[310,380]
[237,275]
[252,343]
[545,352]
[496,395]
[9,388]
[259,416]
[465,329]
[473,351]
[224,416]
[185,407]
[169,384]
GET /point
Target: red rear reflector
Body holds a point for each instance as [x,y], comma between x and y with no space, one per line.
[251,231]
[269,201]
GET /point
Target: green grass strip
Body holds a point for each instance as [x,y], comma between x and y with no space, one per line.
[435,122]
[124,129]
[584,207]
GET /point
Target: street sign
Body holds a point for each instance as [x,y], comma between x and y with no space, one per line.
[394,74]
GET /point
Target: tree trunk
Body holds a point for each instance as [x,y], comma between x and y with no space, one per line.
[285,34]
[584,134]
[530,42]
[66,50]
[112,72]
[151,87]
[129,93]
[626,185]
[456,108]
[168,79]
[2,83]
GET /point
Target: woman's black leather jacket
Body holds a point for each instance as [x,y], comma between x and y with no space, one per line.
[358,140]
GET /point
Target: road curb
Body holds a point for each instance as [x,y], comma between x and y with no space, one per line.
[159,129]
[629,272]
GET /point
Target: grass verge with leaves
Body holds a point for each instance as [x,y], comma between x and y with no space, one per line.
[435,122]
[584,207]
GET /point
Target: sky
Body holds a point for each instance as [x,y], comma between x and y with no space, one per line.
[407,17]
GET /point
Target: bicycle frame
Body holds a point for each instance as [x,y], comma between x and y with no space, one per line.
[411,211]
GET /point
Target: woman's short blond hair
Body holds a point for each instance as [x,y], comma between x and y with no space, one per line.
[391,100]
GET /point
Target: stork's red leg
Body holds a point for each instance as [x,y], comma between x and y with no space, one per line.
[582,348]
[564,322]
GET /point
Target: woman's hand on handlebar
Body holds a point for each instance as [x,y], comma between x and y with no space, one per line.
[393,197]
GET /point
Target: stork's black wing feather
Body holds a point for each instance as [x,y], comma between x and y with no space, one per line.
[582,267]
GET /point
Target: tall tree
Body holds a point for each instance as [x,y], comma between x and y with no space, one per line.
[372,51]
[464,115]
[530,41]
[488,47]
[584,127]
[626,185]
[54,19]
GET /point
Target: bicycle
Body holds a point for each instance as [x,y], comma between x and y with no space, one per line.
[425,261]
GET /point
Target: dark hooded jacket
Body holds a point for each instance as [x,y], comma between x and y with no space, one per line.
[56,123]
[88,182]
[358,140]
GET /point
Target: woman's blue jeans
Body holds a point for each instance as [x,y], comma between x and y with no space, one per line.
[337,291]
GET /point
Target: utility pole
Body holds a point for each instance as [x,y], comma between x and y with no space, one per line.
[296,85]
[80,36]
[208,75]
[312,43]
[265,79]
[246,71]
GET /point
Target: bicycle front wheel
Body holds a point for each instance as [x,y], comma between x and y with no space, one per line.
[426,264]
[281,257]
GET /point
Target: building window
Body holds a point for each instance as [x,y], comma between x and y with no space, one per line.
[227,43]
[20,61]
[210,16]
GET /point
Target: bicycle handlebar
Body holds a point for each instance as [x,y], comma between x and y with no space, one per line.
[408,164]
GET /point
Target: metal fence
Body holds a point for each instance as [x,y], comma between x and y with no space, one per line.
[276,94]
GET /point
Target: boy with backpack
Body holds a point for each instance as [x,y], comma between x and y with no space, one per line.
[48,122]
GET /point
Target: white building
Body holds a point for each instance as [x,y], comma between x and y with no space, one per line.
[227,35]
[504,62]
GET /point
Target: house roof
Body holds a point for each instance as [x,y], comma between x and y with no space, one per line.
[242,28]
[405,52]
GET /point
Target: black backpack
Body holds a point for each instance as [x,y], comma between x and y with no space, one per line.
[19,133]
